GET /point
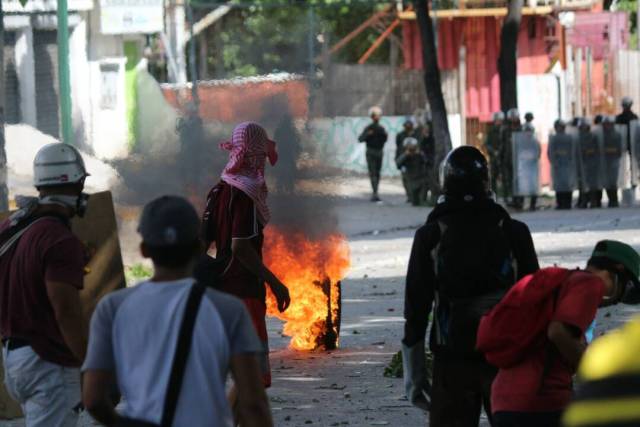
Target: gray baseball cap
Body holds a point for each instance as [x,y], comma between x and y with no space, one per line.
[169,221]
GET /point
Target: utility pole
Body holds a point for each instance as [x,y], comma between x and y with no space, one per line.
[64,79]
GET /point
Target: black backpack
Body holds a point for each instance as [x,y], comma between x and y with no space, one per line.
[474,267]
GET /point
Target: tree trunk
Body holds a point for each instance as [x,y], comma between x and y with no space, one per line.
[432,84]
[507,61]
[4,192]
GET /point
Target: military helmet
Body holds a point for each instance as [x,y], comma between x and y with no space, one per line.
[513,114]
[465,172]
[498,116]
[627,101]
[559,123]
[528,116]
[584,122]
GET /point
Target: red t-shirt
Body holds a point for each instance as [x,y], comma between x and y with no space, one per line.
[231,214]
[47,251]
[517,389]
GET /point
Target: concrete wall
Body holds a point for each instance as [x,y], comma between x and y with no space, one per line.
[336,141]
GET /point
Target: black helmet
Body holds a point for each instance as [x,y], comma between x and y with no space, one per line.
[465,172]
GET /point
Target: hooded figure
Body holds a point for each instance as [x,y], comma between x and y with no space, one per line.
[249,148]
[232,226]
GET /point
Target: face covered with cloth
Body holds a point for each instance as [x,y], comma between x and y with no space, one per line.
[249,149]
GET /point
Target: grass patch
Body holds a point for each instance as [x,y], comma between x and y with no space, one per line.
[137,273]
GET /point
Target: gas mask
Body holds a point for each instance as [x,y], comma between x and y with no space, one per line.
[77,203]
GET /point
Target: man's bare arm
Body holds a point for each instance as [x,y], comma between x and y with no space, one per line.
[96,386]
[65,300]
[244,252]
[253,406]
[570,346]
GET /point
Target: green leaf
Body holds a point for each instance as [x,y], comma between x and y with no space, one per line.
[23,2]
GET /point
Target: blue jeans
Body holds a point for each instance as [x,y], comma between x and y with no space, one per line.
[49,394]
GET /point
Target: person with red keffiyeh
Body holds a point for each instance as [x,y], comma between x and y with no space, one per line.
[233,223]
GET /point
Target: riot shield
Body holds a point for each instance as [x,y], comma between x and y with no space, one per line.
[589,153]
[525,150]
[613,154]
[562,157]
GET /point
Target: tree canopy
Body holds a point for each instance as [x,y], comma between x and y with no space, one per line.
[266,36]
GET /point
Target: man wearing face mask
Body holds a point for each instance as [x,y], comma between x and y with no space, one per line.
[42,262]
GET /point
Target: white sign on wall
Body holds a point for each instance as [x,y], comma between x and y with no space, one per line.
[131,16]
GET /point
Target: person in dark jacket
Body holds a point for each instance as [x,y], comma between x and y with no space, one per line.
[375,137]
[466,256]
[407,132]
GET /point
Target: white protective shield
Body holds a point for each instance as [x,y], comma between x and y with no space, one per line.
[526,164]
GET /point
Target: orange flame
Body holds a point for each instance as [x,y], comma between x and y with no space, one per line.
[303,265]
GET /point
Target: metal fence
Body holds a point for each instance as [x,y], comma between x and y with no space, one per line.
[350,90]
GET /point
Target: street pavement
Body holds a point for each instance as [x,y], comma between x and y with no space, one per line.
[346,387]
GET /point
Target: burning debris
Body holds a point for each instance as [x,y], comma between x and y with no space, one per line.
[312,269]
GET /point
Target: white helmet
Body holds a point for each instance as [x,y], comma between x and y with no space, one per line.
[627,101]
[410,142]
[498,116]
[513,114]
[375,111]
[58,164]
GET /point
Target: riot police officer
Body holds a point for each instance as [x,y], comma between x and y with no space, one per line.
[561,153]
[612,149]
[589,160]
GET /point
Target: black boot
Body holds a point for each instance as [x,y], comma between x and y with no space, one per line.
[612,194]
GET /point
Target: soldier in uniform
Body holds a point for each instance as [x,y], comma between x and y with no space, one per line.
[612,151]
[427,145]
[513,125]
[408,131]
[589,156]
[413,163]
[494,146]
[375,136]
[561,153]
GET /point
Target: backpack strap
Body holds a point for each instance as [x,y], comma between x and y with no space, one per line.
[13,234]
[183,347]
[550,350]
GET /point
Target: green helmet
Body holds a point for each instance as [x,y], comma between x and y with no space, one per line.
[620,253]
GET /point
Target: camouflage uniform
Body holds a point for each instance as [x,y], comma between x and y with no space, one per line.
[494,145]
[414,164]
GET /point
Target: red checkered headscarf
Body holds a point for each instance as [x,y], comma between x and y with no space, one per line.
[249,148]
